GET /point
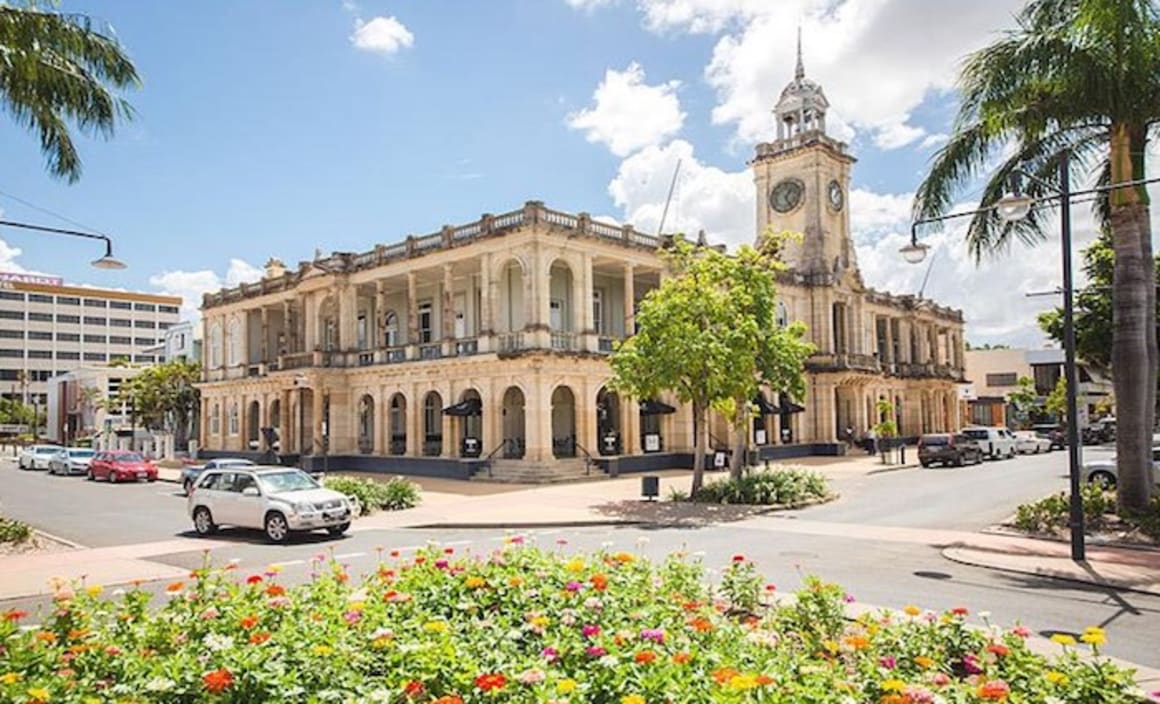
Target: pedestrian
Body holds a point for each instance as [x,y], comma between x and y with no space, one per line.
[850,435]
[871,442]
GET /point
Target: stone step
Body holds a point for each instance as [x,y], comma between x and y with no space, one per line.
[524,472]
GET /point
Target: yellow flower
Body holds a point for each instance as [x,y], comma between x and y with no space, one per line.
[912,610]
[474,582]
[540,621]
[742,682]
[322,650]
[10,677]
[574,565]
[893,686]
[39,693]
[357,606]
[632,699]
[1063,639]
[566,686]
[1093,635]
[1056,677]
[94,590]
[435,627]
[830,645]
[924,662]
[274,568]
[624,557]
[380,643]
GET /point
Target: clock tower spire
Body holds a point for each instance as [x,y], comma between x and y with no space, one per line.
[802,178]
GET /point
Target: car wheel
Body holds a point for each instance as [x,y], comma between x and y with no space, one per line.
[1107,480]
[277,529]
[90,476]
[113,477]
[338,529]
[203,521]
[925,465]
[958,460]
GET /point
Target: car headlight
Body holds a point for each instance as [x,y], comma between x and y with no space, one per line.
[303,507]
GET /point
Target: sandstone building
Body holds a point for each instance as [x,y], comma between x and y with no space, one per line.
[483,347]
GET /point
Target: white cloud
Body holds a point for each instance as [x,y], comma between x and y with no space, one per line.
[932,140]
[629,114]
[705,197]
[8,255]
[863,53]
[192,285]
[589,5]
[383,35]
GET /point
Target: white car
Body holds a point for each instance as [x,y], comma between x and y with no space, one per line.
[37,456]
[1028,442]
[997,443]
[72,460]
[277,500]
[1104,472]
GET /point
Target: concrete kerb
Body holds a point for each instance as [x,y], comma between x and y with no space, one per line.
[57,539]
[966,556]
[892,468]
[1001,530]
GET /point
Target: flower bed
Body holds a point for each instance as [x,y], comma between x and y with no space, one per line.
[1050,517]
[789,486]
[522,625]
[372,495]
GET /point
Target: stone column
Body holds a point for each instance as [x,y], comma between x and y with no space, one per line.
[377,330]
[415,422]
[382,416]
[264,348]
[629,426]
[629,300]
[203,426]
[447,314]
[538,419]
[448,425]
[586,418]
[587,320]
[316,408]
[285,423]
[412,318]
[309,322]
[543,287]
[485,325]
[530,278]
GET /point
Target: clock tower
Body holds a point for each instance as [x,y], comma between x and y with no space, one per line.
[802,180]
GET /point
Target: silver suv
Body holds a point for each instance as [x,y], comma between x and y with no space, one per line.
[277,500]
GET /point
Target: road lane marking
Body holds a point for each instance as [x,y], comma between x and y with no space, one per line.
[349,555]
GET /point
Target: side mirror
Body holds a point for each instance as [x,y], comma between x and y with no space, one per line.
[251,491]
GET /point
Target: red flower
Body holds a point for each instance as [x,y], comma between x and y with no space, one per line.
[413,688]
[448,551]
[254,579]
[994,690]
[248,622]
[259,638]
[275,590]
[739,558]
[644,657]
[490,681]
[218,680]
[960,611]
[14,615]
[998,649]
[599,582]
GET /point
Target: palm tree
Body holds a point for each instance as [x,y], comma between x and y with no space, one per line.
[56,69]
[1078,78]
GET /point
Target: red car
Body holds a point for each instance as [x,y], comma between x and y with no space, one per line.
[121,466]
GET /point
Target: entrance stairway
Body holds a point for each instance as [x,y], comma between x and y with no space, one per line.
[527,472]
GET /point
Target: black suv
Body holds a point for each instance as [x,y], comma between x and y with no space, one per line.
[948,449]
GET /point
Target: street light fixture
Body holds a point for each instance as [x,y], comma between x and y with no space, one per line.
[107,261]
[914,252]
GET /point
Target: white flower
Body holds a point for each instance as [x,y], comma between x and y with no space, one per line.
[984,615]
[381,695]
[608,661]
[160,684]
[217,642]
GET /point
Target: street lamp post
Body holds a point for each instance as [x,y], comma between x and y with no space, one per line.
[1014,207]
[107,261]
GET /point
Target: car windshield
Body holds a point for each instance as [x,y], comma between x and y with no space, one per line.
[128,457]
[279,482]
[977,434]
[50,450]
[934,439]
[235,463]
[80,453]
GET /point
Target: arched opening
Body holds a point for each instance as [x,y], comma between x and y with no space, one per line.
[366,424]
[432,424]
[560,308]
[234,419]
[391,330]
[215,346]
[328,324]
[514,438]
[563,422]
[274,423]
[234,343]
[468,423]
[608,421]
[397,425]
[511,300]
[303,407]
[253,425]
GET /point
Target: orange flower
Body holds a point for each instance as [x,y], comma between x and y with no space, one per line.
[924,662]
[46,637]
[893,699]
[490,681]
[174,587]
[644,657]
[857,642]
[764,680]
[248,622]
[275,590]
[259,638]
[682,658]
[449,699]
[701,625]
[217,681]
[998,649]
[515,582]
[994,690]
[725,674]
[599,582]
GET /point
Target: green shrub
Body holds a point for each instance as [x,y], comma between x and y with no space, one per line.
[372,495]
[775,487]
[1052,512]
[1147,521]
[15,532]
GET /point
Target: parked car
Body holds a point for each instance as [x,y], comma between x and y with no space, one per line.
[189,475]
[1054,434]
[1028,442]
[948,449]
[37,456]
[72,460]
[121,466]
[1105,473]
[1100,432]
[276,500]
[996,443]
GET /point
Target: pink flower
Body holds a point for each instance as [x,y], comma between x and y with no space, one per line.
[849,598]
[209,613]
[590,631]
[1021,631]
[971,665]
[573,586]
[550,654]
[888,662]
[657,635]
[533,676]
[939,679]
[596,651]
[278,602]
[441,563]
[352,617]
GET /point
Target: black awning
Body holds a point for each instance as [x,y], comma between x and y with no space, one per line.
[764,407]
[786,405]
[466,407]
[652,407]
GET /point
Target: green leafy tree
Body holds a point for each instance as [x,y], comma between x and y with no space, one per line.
[1077,77]
[1023,400]
[708,334]
[163,397]
[57,69]
[1056,402]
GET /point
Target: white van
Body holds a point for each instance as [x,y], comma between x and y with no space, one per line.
[997,443]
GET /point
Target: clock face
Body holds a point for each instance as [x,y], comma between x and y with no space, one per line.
[787,195]
[835,194]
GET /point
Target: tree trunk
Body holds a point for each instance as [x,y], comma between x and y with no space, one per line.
[741,420]
[698,448]
[1133,327]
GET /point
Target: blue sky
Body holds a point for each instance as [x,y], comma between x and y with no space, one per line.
[268,127]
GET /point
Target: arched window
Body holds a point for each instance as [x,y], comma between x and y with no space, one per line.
[215,345]
[432,424]
[215,419]
[234,424]
[391,329]
[234,341]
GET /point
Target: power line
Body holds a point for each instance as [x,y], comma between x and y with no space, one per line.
[51,213]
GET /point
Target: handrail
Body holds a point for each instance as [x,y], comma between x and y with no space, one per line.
[491,456]
[588,461]
[720,444]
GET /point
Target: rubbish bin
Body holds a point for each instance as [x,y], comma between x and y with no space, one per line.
[650,487]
